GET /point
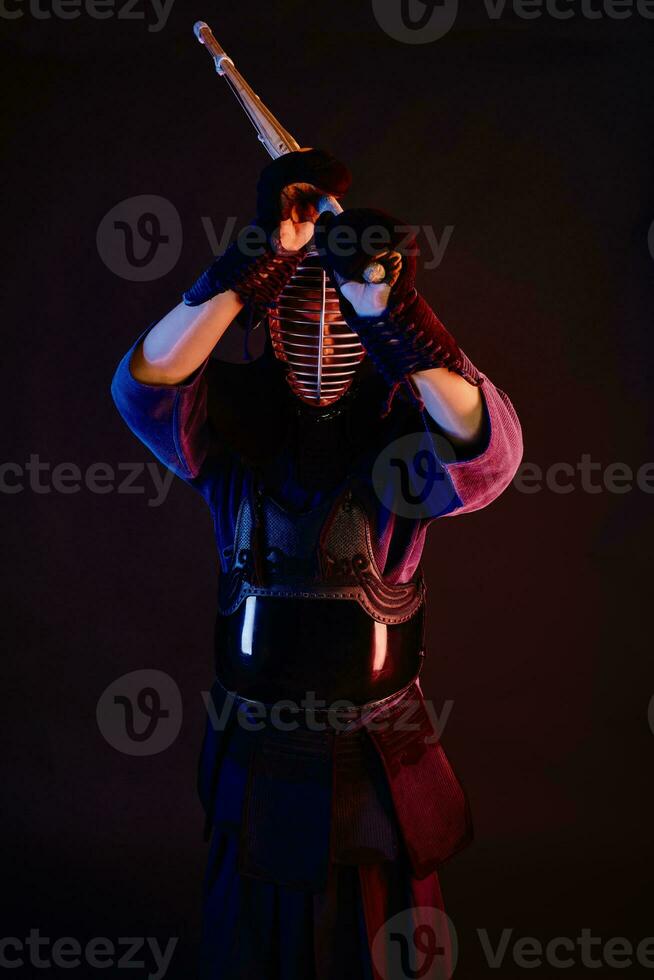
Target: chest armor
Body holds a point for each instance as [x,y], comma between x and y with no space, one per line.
[323,554]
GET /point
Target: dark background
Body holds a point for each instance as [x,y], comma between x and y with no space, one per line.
[534,140]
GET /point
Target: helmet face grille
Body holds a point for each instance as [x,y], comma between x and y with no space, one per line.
[311,337]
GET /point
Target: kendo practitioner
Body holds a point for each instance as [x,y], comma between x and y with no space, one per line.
[329,801]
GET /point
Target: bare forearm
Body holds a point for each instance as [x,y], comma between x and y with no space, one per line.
[183,339]
[253,270]
[454,404]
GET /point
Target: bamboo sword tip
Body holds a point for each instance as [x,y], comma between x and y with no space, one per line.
[197,30]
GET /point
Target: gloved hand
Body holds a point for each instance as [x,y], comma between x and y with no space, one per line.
[265,255]
[399,330]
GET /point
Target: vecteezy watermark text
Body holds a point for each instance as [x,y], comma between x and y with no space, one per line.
[140,239]
[410,476]
[563,952]
[154,12]
[424,943]
[587,475]
[42,477]
[426,21]
[407,476]
[141,714]
[318,715]
[99,953]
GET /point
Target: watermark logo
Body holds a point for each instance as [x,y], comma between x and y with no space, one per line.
[417,943]
[140,239]
[425,21]
[416,21]
[141,713]
[408,477]
[411,480]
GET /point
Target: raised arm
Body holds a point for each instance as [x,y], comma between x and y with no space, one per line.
[414,353]
[253,270]
[182,341]
[160,386]
[453,403]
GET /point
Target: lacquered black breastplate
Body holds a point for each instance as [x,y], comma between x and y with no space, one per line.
[325,553]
